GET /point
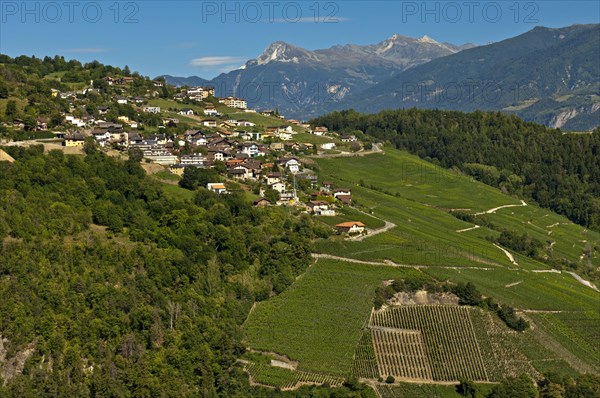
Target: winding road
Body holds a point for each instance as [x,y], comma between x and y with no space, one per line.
[491,211]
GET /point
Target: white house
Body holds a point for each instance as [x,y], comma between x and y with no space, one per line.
[349,138]
[250,149]
[209,123]
[342,192]
[75,121]
[151,109]
[293,165]
[216,187]
[196,93]
[272,178]
[351,227]
[328,146]
[241,172]
[211,111]
[257,136]
[121,100]
[186,112]
[101,135]
[319,131]
[278,186]
[192,160]
[233,102]
[284,136]
[320,208]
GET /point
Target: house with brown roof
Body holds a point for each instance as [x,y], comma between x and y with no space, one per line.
[351,227]
[272,178]
[320,208]
[215,187]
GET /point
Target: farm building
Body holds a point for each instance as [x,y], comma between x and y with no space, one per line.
[351,227]
[216,188]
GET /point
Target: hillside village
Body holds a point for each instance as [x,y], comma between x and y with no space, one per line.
[183,128]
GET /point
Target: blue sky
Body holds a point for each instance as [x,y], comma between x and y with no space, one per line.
[205,38]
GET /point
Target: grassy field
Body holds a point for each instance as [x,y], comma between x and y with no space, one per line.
[349,214]
[423,236]
[318,320]
[416,196]
[176,192]
[526,290]
[562,237]
[263,121]
[315,139]
[564,312]
[166,104]
[417,180]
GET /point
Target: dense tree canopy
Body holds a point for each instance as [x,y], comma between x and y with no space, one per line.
[123,292]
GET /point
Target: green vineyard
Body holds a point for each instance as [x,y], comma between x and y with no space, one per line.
[429,342]
[401,354]
[287,379]
[365,364]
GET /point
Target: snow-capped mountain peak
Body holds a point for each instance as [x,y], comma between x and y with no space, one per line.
[283,52]
[427,39]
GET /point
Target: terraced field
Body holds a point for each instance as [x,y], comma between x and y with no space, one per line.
[416,195]
[318,321]
[365,363]
[423,236]
[287,379]
[410,390]
[430,342]
[323,320]
[401,353]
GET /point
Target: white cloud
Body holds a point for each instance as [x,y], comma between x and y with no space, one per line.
[88,50]
[214,61]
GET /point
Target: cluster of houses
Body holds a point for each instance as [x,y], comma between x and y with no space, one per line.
[40,124]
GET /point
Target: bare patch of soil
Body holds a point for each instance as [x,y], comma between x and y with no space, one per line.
[423,297]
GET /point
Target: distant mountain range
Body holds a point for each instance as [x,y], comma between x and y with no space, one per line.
[299,81]
[550,76]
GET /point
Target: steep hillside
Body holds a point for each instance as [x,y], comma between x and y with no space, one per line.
[549,76]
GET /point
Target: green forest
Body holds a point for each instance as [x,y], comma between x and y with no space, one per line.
[109,289]
[559,171]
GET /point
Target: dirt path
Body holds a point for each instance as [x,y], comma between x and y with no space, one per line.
[491,211]
[388,225]
[583,281]
[513,284]
[573,274]
[467,229]
[390,263]
[508,254]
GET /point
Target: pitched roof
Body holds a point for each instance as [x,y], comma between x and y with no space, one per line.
[350,224]
[217,186]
